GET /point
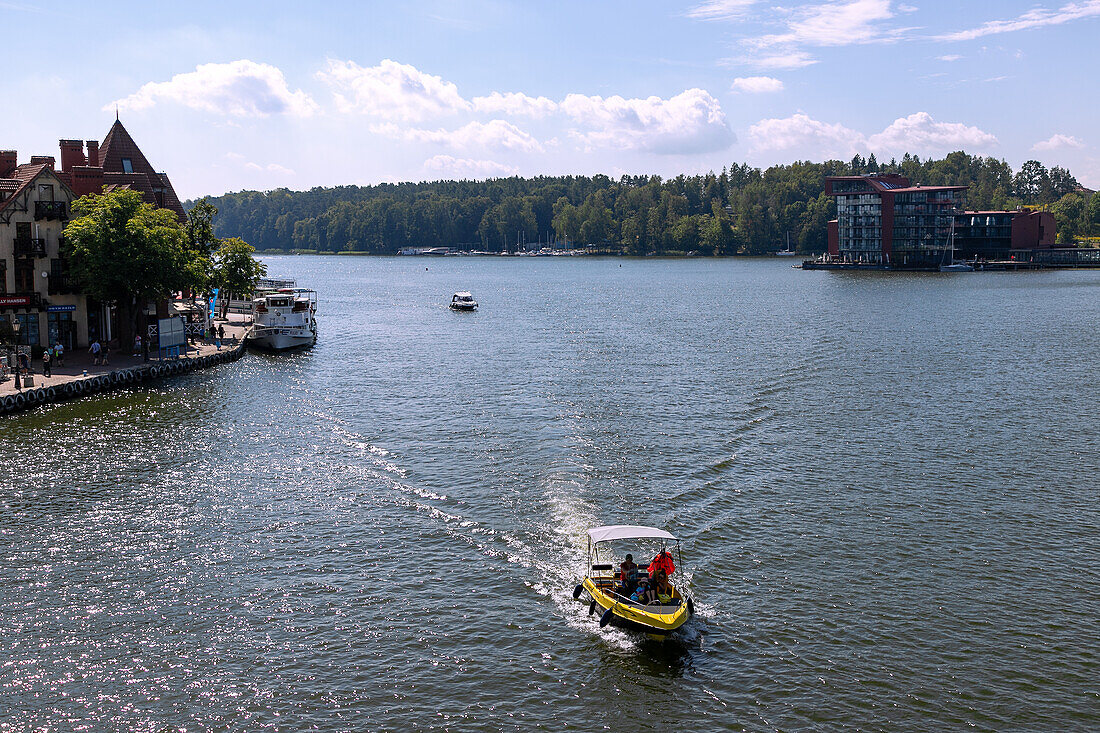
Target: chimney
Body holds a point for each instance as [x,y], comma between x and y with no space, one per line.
[9,159]
[93,152]
[72,153]
[87,179]
[43,160]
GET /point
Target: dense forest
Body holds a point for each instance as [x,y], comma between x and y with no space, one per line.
[741,210]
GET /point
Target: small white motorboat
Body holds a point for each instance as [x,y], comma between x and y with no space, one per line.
[463,301]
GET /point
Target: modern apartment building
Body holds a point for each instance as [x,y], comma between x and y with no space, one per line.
[884,219]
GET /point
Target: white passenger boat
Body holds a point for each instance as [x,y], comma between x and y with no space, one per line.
[283,319]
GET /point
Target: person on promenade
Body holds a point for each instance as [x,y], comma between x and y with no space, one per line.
[59,354]
[137,344]
[221,333]
[104,352]
[24,363]
[95,350]
[46,363]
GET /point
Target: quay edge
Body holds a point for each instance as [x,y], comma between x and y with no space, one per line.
[116,379]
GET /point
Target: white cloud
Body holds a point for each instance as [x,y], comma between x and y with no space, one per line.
[799,132]
[719,9]
[949,57]
[789,59]
[515,103]
[690,122]
[835,24]
[391,91]
[756,84]
[447,166]
[239,88]
[492,135]
[1034,18]
[270,168]
[1058,142]
[917,133]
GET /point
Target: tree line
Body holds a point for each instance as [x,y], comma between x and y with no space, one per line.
[740,210]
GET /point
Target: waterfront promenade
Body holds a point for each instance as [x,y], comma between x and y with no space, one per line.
[78,363]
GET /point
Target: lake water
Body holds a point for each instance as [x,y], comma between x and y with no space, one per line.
[886,485]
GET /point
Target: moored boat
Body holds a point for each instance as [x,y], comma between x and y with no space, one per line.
[283,319]
[655,613]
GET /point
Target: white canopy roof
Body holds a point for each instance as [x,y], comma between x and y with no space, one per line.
[627,531]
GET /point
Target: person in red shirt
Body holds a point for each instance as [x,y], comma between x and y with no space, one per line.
[663,561]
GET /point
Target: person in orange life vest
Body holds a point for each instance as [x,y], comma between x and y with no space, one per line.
[663,561]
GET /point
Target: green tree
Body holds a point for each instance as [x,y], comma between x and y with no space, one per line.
[1031,182]
[1069,213]
[235,269]
[1093,216]
[124,251]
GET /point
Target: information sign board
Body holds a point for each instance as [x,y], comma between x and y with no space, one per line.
[171,332]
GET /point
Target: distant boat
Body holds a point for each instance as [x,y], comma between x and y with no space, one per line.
[786,252]
[463,301]
[953,265]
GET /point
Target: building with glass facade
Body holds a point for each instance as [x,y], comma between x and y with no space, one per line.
[884,220]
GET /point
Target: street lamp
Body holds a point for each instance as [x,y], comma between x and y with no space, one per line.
[15,330]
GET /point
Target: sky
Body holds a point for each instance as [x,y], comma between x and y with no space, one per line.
[225,96]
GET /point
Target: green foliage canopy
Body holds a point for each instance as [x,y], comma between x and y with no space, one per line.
[235,270]
[120,249]
[741,210]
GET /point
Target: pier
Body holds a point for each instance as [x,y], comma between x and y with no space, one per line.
[80,377]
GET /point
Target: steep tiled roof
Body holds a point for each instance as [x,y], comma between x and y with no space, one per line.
[24,175]
[118,145]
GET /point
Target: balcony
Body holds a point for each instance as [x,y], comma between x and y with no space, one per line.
[49,210]
[61,285]
[30,247]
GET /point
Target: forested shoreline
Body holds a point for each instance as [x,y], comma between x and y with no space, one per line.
[740,210]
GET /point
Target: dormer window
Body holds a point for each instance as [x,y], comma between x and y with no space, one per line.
[127,165]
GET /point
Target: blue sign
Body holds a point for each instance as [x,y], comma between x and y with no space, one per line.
[60,308]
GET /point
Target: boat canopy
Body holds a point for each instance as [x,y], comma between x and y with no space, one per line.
[627,531]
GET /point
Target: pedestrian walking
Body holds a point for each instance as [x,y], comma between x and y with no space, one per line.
[104,353]
[46,363]
[24,363]
[59,354]
[95,349]
[221,333]
[137,345]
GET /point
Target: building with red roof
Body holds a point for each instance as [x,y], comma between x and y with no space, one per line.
[35,201]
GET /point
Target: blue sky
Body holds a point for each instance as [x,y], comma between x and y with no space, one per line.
[232,95]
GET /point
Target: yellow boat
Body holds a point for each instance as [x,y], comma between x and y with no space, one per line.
[604,585]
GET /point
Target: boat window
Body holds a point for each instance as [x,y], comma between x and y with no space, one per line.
[278,302]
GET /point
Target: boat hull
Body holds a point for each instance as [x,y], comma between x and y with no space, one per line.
[276,340]
[457,307]
[657,623]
